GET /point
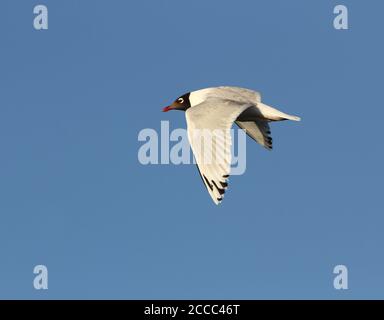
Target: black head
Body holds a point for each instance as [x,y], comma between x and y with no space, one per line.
[181,103]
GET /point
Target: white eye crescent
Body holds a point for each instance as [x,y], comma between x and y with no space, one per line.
[180,100]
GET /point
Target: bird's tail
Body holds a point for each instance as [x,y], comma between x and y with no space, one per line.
[275,115]
[293,118]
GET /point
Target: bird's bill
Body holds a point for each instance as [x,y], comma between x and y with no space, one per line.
[173,106]
[166,109]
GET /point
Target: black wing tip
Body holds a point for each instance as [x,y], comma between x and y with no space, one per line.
[224,184]
[220,190]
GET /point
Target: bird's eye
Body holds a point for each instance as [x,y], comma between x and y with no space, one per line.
[180,100]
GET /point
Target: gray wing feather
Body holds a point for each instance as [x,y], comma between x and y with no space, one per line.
[259,131]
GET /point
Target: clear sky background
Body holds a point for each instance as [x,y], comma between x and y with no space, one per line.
[74,197]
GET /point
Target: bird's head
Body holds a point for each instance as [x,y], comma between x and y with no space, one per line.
[181,103]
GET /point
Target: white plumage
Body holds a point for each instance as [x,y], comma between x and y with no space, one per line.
[210,114]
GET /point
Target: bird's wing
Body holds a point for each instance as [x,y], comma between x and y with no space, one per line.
[209,134]
[252,96]
[258,130]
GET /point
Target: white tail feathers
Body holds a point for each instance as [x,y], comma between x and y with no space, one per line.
[273,114]
[293,118]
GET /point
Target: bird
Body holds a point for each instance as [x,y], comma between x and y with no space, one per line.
[212,111]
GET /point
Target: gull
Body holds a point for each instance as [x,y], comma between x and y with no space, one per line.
[210,114]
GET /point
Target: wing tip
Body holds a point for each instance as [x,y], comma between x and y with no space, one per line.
[218,201]
[295,118]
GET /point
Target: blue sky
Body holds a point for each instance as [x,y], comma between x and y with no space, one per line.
[74,197]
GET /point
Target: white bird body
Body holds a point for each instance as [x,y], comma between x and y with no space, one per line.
[211,112]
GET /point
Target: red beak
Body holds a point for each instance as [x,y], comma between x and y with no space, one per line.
[166,109]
